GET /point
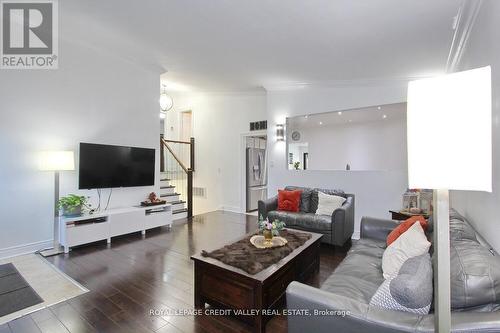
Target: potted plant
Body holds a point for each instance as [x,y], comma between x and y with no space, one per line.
[72,205]
[270,229]
[296,165]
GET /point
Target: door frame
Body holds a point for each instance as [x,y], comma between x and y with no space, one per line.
[243,173]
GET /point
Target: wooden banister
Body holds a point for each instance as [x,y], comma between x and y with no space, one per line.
[176,141]
[165,144]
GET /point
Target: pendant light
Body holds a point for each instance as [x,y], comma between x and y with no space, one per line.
[166,102]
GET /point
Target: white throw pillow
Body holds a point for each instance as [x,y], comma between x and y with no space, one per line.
[328,203]
[410,244]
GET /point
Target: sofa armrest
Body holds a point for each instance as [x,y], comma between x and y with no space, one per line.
[267,205]
[375,228]
[343,222]
[345,315]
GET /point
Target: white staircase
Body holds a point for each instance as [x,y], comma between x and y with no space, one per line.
[168,193]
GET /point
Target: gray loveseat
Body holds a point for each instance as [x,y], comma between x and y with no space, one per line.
[337,228]
[475,288]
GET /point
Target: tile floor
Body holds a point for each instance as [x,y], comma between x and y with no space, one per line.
[50,283]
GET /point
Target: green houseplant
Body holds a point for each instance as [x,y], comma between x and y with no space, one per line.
[72,205]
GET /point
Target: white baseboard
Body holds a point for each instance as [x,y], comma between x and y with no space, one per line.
[230,209]
[356,235]
[25,249]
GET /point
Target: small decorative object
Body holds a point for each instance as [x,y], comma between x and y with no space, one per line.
[348,167]
[72,205]
[415,210]
[426,197]
[261,242]
[270,229]
[296,165]
[410,200]
[153,200]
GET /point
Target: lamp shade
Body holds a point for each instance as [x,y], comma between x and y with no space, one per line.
[57,161]
[449,131]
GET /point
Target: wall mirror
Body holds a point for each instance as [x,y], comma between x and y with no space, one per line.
[369,138]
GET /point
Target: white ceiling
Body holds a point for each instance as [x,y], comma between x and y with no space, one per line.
[243,45]
[361,115]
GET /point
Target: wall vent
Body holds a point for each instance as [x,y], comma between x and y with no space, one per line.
[258,125]
[200,192]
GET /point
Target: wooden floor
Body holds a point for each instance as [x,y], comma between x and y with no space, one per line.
[136,274]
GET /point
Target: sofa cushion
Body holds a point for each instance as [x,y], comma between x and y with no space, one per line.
[460,228]
[411,290]
[289,200]
[475,275]
[287,217]
[402,227]
[314,197]
[327,203]
[303,220]
[410,244]
[358,276]
[305,197]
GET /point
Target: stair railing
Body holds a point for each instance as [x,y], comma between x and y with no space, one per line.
[177,161]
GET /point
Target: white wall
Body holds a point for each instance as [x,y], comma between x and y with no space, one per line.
[92,97]
[219,120]
[481,208]
[373,145]
[376,191]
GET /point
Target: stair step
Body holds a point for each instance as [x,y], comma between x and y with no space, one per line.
[177,202]
[167,186]
[168,195]
[179,211]
[167,190]
[165,180]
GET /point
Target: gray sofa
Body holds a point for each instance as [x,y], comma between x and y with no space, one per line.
[337,229]
[475,288]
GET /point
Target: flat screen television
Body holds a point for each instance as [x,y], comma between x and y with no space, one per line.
[106,166]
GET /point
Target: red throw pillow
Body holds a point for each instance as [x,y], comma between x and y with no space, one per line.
[405,226]
[289,200]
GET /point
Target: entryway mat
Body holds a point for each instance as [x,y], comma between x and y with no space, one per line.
[52,285]
[15,293]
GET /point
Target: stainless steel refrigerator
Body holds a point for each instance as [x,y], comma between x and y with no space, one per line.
[256,169]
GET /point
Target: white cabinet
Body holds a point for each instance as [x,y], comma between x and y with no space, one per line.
[90,228]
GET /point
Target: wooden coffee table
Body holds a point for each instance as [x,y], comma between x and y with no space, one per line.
[228,287]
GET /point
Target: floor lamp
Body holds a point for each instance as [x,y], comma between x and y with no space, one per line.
[449,148]
[56,161]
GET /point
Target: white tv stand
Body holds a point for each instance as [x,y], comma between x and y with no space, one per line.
[106,224]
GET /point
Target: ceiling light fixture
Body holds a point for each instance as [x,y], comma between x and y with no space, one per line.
[379,108]
[166,102]
[321,123]
[384,116]
[339,113]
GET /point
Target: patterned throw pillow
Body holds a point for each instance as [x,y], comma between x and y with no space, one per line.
[411,243]
[410,290]
[289,201]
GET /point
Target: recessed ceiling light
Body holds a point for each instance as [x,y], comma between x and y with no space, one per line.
[384,116]
[321,123]
[339,113]
[306,116]
[379,108]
